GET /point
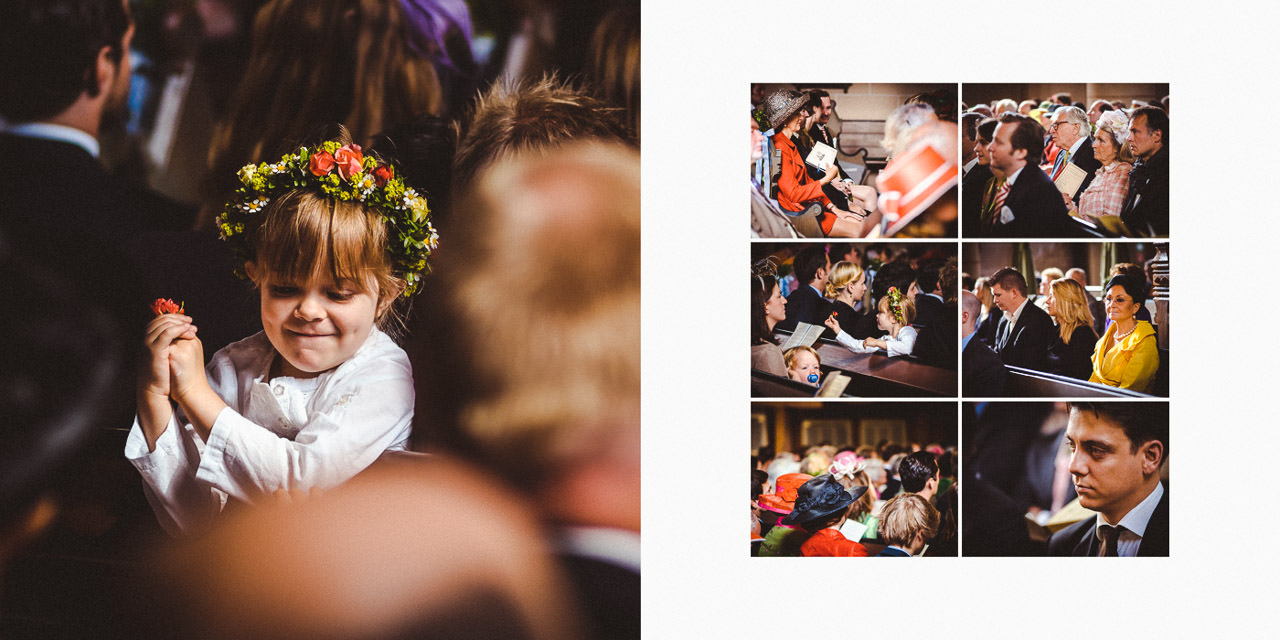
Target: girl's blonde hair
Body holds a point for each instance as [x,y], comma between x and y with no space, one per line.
[982,289]
[303,234]
[907,307]
[842,275]
[1070,306]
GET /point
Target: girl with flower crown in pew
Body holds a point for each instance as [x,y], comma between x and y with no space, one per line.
[895,316]
[336,244]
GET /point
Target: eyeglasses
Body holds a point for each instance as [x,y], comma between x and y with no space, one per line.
[1054,126]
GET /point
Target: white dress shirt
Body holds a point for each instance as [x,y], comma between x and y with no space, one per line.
[1134,523]
[276,434]
[899,346]
[61,133]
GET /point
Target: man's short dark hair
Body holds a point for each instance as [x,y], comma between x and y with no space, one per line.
[897,273]
[1141,421]
[916,469]
[1156,119]
[1008,279]
[987,129]
[50,52]
[927,275]
[1105,106]
[1027,134]
[816,96]
[969,124]
[1062,98]
[808,261]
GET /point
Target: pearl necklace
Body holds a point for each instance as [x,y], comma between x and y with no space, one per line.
[1121,336]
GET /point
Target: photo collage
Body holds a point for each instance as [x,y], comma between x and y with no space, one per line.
[960,319]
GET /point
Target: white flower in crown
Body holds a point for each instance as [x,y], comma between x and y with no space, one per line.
[278,168]
[246,174]
[1116,123]
[255,205]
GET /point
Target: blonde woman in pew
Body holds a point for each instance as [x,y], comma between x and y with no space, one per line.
[896,313]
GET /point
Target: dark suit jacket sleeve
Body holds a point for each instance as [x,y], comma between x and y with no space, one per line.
[1085,160]
[984,372]
[1029,345]
[1075,540]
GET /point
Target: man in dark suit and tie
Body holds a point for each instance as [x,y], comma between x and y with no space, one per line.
[1028,205]
[983,370]
[1070,131]
[806,303]
[1117,450]
[1024,333]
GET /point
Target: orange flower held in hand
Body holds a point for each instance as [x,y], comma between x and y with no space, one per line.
[162,306]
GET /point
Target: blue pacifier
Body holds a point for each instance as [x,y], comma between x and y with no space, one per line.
[813,378]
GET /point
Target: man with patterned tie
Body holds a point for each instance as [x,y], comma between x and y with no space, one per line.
[1117,451]
[1023,334]
[1070,131]
[1027,205]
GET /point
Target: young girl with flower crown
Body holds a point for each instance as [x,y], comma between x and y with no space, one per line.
[334,242]
[896,313]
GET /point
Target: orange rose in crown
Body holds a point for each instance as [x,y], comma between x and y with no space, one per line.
[162,306]
[321,163]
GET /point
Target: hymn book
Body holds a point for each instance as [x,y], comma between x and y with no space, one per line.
[804,335]
[1070,179]
[833,386]
[822,155]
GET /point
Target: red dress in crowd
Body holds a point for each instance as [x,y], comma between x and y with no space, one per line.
[832,543]
[795,188]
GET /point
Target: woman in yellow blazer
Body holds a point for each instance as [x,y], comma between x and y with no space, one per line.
[1126,355]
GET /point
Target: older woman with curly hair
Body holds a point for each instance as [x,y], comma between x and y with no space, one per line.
[1105,195]
[1126,356]
[1070,353]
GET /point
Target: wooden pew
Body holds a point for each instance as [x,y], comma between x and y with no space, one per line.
[1029,383]
[878,375]
[767,385]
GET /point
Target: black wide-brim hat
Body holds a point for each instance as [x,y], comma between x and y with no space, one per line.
[821,497]
[781,105]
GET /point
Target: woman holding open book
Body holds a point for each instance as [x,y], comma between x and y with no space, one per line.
[785,111]
[1105,195]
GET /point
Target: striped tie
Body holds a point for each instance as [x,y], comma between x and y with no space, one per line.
[1060,163]
[999,202]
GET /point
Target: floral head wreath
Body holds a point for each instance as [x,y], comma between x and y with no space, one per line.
[895,304]
[765,267]
[341,172]
[1116,123]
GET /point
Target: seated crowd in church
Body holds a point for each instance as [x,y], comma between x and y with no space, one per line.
[1104,169]
[1077,479]
[1059,329]
[890,501]
[792,197]
[284,171]
[865,298]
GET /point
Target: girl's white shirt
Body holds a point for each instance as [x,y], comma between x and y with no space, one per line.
[899,346]
[288,434]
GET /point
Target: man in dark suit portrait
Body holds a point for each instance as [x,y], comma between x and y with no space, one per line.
[1070,131]
[1028,205]
[983,369]
[1146,206]
[935,320]
[66,71]
[1117,451]
[1024,332]
[806,303]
